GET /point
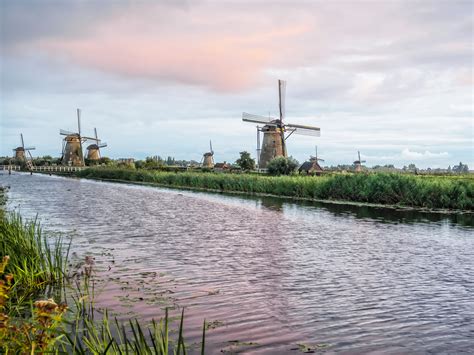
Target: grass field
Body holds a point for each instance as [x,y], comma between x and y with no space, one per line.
[424,191]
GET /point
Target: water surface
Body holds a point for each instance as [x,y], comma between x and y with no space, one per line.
[270,273]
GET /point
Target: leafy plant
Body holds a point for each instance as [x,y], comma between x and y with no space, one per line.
[282,166]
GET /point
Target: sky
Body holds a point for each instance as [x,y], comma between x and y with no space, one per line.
[393,79]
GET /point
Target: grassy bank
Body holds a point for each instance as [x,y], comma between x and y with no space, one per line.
[44,310]
[434,192]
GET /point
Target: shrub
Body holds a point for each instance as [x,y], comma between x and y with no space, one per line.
[282,166]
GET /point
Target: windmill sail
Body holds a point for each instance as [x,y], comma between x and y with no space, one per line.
[281,105]
[304,130]
[79,121]
[65,133]
[248,117]
[282,100]
[22,141]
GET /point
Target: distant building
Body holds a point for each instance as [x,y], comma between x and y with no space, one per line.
[221,166]
[310,167]
[126,160]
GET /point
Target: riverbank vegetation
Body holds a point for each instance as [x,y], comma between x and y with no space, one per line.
[45,309]
[433,192]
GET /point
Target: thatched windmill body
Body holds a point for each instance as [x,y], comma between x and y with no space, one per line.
[23,153]
[93,150]
[208,158]
[274,129]
[358,163]
[72,145]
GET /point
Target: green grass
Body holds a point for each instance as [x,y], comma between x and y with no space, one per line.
[36,261]
[434,192]
[36,269]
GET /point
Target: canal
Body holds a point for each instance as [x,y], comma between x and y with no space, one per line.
[267,274]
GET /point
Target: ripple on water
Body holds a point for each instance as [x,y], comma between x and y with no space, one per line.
[269,273]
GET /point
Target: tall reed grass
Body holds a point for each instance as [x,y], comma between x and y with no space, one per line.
[36,261]
[29,323]
[380,188]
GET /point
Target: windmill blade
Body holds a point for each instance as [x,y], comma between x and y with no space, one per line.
[248,117]
[210,146]
[363,161]
[304,130]
[79,121]
[358,153]
[319,159]
[258,139]
[30,148]
[95,133]
[281,98]
[22,141]
[65,133]
[261,122]
[102,145]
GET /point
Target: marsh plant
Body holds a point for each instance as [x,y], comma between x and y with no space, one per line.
[440,192]
[33,322]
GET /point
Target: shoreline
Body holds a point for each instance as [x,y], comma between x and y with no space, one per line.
[284,197]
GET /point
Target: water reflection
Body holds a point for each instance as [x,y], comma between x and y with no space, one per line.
[274,272]
[382,214]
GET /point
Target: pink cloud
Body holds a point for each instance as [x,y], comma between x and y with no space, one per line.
[225,61]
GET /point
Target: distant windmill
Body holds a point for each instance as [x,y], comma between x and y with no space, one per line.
[315,158]
[274,139]
[72,145]
[358,163]
[312,166]
[93,150]
[20,153]
[208,158]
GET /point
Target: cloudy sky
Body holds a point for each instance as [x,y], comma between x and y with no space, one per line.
[393,79]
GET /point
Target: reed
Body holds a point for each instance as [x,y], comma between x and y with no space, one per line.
[33,264]
[36,261]
[433,192]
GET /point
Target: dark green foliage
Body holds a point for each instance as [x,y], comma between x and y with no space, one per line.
[448,192]
[282,166]
[245,161]
[36,261]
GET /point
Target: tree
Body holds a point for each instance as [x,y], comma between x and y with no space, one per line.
[461,168]
[245,161]
[282,166]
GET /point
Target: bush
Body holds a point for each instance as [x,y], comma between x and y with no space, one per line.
[245,161]
[282,166]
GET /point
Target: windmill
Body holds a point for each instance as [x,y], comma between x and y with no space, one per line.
[358,163]
[20,153]
[312,166]
[274,139]
[208,158]
[93,150]
[72,145]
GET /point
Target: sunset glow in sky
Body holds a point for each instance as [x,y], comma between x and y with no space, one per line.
[393,79]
